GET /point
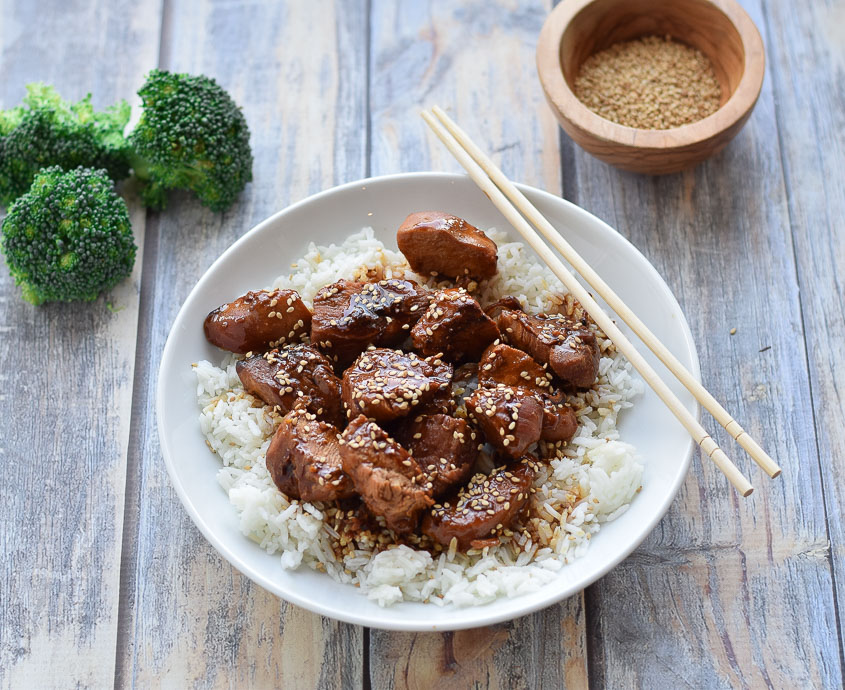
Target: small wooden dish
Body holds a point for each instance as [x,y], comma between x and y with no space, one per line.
[720,29]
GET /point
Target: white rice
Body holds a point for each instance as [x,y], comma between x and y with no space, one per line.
[592,482]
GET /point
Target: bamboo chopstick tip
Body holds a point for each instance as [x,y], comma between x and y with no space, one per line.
[747,492]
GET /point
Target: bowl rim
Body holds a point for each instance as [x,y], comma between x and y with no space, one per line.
[485,616]
[570,107]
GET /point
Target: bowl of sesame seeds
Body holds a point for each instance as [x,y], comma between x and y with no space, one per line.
[651,86]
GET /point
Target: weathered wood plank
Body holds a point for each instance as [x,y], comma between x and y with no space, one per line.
[190,619]
[66,383]
[725,593]
[543,650]
[807,52]
[478,61]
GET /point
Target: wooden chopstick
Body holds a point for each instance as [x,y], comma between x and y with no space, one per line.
[708,445]
[613,300]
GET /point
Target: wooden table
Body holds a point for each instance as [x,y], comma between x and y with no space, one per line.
[105,580]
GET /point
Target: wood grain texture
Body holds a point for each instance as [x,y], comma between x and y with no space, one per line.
[66,383]
[807,52]
[724,593]
[476,60]
[543,650]
[190,619]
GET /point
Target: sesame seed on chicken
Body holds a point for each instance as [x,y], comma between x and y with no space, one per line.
[444,446]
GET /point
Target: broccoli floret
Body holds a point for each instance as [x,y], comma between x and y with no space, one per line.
[192,136]
[47,130]
[69,237]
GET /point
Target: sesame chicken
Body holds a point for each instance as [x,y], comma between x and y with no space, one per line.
[445,447]
[437,243]
[568,346]
[485,507]
[511,419]
[298,373]
[304,459]
[502,365]
[386,476]
[388,415]
[386,384]
[350,316]
[258,321]
[455,325]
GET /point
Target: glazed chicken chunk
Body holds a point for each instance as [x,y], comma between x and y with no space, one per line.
[455,325]
[258,321]
[437,243]
[483,509]
[511,419]
[501,363]
[298,373]
[350,316]
[504,365]
[387,384]
[384,474]
[567,346]
[444,446]
[304,459]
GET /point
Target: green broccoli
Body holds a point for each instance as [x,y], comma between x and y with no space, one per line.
[192,136]
[47,130]
[69,237]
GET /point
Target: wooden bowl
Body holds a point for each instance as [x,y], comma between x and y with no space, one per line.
[720,29]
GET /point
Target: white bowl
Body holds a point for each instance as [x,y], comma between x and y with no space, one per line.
[267,250]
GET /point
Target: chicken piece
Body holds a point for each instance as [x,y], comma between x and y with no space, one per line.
[559,422]
[502,364]
[436,243]
[384,474]
[294,373]
[279,462]
[350,316]
[455,325]
[506,302]
[445,448]
[486,507]
[511,419]
[258,321]
[568,347]
[387,384]
[304,459]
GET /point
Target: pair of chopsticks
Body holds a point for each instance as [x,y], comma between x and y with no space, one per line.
[499,189]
